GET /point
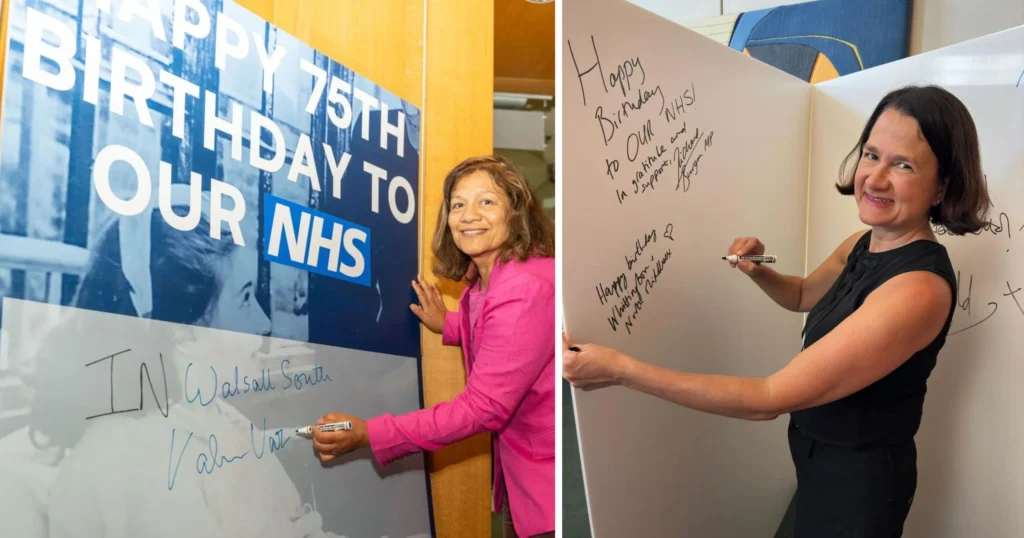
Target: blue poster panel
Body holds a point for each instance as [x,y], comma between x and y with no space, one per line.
[208,231]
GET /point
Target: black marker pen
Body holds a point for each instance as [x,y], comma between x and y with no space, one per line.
[756,259]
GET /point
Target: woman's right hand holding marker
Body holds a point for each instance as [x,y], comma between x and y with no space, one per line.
[746,246]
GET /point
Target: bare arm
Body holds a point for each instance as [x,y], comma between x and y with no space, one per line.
[785,290]
[899,318]
[799,294]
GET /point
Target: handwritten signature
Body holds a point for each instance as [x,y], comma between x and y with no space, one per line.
[683,154]
[210,459]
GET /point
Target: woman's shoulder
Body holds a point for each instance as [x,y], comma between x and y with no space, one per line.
[534,271]
[928,256]
[855,243]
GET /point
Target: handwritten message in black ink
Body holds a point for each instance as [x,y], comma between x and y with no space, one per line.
[642,123]
[626,292]
[999,225]
[202,387]
[1001,232]
[965,289]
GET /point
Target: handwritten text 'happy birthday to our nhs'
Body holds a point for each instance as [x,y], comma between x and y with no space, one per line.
[203,392]
[642,111]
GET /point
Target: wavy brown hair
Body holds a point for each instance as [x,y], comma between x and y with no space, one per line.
[948,128]
[530,231]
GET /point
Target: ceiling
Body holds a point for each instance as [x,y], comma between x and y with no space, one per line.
[524,47]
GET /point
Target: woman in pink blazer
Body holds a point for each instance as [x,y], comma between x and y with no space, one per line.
[491,232]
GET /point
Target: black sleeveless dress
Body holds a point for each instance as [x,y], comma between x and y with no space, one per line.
[855,458]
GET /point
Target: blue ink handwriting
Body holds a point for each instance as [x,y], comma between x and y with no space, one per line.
[212,386]
[210,459]
[300,379]
[277,440]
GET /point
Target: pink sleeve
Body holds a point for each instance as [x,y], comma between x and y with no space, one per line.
[451,335]
[518,344]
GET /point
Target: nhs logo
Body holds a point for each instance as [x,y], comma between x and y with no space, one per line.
[301,237]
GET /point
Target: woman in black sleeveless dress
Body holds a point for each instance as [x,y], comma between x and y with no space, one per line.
[879,310]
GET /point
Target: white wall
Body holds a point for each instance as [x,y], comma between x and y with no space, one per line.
[687,471]
[740,6]
[940,23]
[935,24]
[680,12]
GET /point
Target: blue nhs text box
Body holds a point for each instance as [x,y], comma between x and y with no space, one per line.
[297,236]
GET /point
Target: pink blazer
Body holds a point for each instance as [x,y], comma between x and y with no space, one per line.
[510,390]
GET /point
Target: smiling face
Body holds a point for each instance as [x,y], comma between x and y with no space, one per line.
[896,182]
[478,217]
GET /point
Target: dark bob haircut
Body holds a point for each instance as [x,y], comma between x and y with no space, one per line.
[530,233]
[948,128]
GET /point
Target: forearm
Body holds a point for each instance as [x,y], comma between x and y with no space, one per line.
[731,396]
[785,290]
[434,428]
